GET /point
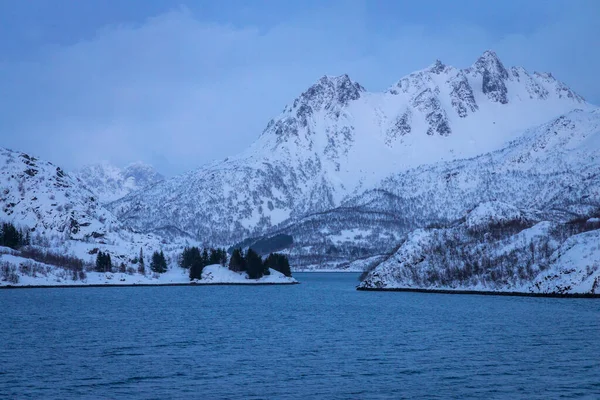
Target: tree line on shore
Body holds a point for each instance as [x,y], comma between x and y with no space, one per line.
[249,262]
[192,258]
[158,263]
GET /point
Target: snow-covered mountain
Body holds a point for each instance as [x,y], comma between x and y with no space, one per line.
[111,183]
[64,216]
[336,140]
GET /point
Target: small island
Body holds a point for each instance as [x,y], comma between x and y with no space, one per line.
[25,266]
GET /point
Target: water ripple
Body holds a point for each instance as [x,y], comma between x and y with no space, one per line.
[320,339]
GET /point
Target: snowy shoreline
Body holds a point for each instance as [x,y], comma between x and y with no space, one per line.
[211,275]
[96,285]
[482,292]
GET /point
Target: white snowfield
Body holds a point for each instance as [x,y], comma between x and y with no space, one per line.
[575,267]
[49,275]
[218,274]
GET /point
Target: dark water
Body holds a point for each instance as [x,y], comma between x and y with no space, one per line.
[320,339]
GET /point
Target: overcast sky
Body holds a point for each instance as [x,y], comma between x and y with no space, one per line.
[180,83]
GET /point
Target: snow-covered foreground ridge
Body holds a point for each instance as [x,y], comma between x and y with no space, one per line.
[496,248]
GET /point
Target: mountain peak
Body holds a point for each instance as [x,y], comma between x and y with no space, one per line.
[437,67]
[327,93]
[490,62]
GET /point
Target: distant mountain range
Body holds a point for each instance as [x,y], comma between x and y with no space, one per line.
[111,183]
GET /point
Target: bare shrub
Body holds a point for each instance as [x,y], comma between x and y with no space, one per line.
[8,273]
[68,262]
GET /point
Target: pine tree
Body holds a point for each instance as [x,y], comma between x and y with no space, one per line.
[196,269]
[141,265]
[223,260]
[100,262]
[103,262]
[205,258]
[214,257]
[158,263]
[10,236]
[163,261]
[278,262]
[254,265]
[189,256]
[192,258]
[237,263]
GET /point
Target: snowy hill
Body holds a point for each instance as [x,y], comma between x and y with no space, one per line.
[111,183]
[336,140]
[508,253]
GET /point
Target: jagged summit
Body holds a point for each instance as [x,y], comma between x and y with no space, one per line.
[437,67]
[490,61]
[327,93]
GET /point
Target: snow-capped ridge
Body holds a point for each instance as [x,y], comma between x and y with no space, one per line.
[327,93]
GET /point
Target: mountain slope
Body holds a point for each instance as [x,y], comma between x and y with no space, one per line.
[63,215]
[111,183]
[336,140]
[47,200]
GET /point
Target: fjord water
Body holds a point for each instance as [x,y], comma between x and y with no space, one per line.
[319,339]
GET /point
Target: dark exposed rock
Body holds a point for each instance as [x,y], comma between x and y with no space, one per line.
[428,103]
[493,74]
[462,96]
[400,127]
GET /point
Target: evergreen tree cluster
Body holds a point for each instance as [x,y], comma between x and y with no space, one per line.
[159,262]
[103,262]
[253,264]
[12,237]
[237,262]
[279,262]
[195,261]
